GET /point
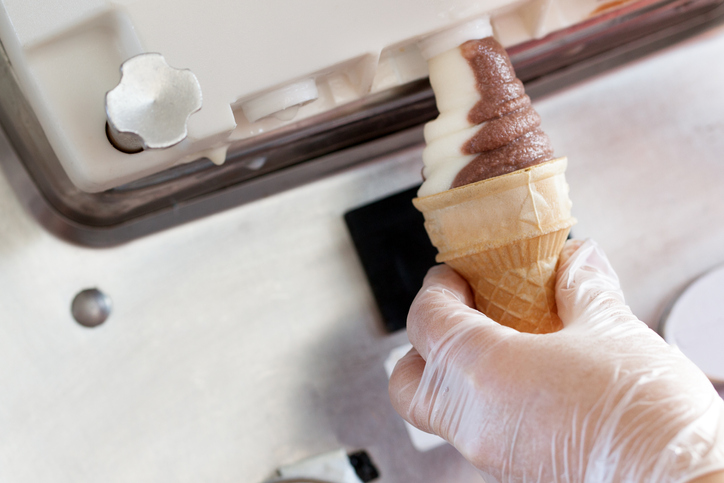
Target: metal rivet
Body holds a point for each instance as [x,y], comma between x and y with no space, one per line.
[91,307]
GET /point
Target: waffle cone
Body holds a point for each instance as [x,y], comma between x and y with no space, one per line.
[504,236]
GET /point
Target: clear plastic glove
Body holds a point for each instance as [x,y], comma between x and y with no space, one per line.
[603,400]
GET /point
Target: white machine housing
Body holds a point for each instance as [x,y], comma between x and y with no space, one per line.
[260,65]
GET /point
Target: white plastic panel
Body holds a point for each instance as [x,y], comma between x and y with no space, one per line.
[67,55]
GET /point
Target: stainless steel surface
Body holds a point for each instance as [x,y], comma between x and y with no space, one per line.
[150,106]
[261,165]
[303,480]
[91,307]
[249,339]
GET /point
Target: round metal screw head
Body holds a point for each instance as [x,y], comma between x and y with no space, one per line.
[151,105]
[91,307]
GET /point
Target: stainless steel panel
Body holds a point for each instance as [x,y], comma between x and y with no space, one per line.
[249,339]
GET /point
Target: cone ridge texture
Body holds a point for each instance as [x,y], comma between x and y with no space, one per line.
[515,284]
[504,235]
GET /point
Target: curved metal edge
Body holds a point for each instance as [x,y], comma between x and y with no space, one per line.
[71,231]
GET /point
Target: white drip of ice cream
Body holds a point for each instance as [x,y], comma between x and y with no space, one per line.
[456,93]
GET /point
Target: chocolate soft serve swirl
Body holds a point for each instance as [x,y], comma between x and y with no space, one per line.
[509,138]
[487,126]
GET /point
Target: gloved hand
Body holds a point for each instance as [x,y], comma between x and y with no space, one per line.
[603,400]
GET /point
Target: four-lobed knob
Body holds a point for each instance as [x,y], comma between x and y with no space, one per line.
[151,105]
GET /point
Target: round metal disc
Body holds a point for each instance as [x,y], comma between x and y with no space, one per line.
[695,323]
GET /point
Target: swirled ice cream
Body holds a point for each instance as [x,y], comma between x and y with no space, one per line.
[495,201]
[486,127]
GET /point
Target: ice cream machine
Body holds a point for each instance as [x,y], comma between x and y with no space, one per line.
[129,116]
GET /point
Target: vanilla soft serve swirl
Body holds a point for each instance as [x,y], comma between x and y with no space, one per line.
[486,126]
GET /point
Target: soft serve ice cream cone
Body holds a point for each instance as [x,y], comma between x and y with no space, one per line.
[495,200]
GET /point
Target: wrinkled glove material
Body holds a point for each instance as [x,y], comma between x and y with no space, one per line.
[604,400]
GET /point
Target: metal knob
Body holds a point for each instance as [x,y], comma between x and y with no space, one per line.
[151,105]
[91,307]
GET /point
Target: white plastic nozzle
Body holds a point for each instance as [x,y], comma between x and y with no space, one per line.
[448,39]
[280,99]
